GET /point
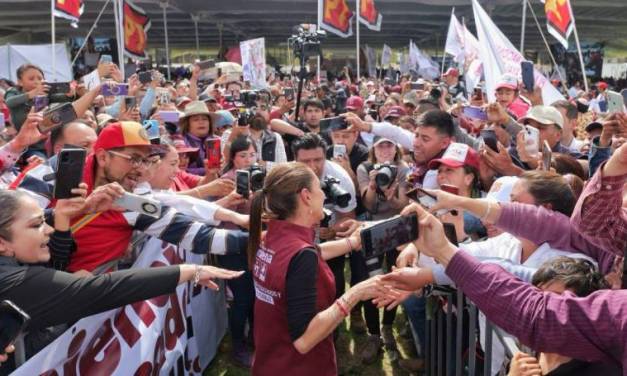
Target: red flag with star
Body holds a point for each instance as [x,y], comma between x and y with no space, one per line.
[136,26]
[68,9]
[369,15]
[335,16]
[559,19]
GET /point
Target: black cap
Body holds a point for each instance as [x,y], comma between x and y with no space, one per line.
[593,126]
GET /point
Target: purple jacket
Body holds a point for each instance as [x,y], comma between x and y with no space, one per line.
[541,225]
[196,167]
[592,328]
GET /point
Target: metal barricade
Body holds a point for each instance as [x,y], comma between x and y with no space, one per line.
[444,348]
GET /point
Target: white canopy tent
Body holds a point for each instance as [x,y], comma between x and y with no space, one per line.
[12,56]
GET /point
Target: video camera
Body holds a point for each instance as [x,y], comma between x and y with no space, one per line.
[305,41]
[245,117]
[334,194]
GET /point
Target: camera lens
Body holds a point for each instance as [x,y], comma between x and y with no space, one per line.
[384,177]
[149,208]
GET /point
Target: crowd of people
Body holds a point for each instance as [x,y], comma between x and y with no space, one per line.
[280,195]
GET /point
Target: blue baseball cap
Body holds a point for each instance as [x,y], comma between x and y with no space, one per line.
[224,119]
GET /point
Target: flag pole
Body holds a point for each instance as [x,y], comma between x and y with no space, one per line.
[118,8]
[522,27]
[357,30]
[583,67]
[53,31]
[93,27]
[164,5]
[195,18]
[546,44]
[444,51]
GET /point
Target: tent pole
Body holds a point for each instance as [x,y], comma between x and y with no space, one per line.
[522,27]
[195,19]
[583,66]
[164,5]
[357,29]
[93,27]
[53,31]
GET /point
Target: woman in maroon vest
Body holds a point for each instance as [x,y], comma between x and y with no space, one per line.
[295,311]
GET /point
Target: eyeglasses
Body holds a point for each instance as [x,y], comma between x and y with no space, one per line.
[135,161]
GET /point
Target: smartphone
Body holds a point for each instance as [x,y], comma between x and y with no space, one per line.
[169,116]
[526,69]
[474,112]
[12,322]
[389,234]
[152,128]
[106,59]
[214,152]
[58,88]
[450,189]
[624,94]
[242,183]
[164,97]
[333,124]
[114,90]
[130,102]
[427,200]
[289,93]
[206,64]
[489,138]
[339,151]
[417,86]
[40,102]
[450,233]
[145,77]
[140,204]
[532,140]
[69,172]
[547,154]
[56,117]
[614,102]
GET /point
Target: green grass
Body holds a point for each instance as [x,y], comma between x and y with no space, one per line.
[347,347]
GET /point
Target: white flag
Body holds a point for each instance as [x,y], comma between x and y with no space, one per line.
[386,56]
[455,40]
[422,63]
[403,62]
[371,57]
[499,56]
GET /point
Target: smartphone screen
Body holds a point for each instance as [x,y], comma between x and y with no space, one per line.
[532,140]
[130,102]
[40,102]
[58,88]
[333,124]
[106,59]
[339,151]
[547,155]
[489,138]
[12,321]
[528,79]
[417,86]
[475,113]
[389,234]
[242,183]
[206,64]
[214,152]
[614,102]
[55,118]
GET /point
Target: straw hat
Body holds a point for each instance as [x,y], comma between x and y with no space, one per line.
[196,108]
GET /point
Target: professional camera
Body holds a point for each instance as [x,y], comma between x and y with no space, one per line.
[249,97]
[245,117]
[386,173]
[334,194]
[305,42]
[257,177]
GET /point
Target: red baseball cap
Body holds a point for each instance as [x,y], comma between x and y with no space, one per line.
[122,134]
[354,103]
[451,72]
[602,85]
[457,155]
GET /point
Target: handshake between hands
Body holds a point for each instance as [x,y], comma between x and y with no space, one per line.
[391,289]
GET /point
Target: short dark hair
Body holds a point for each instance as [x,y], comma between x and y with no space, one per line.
[57,133]
[441,120]
[577,274]
[571,109]
[313,103]
[24,67]
[308,141]
[567,164]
